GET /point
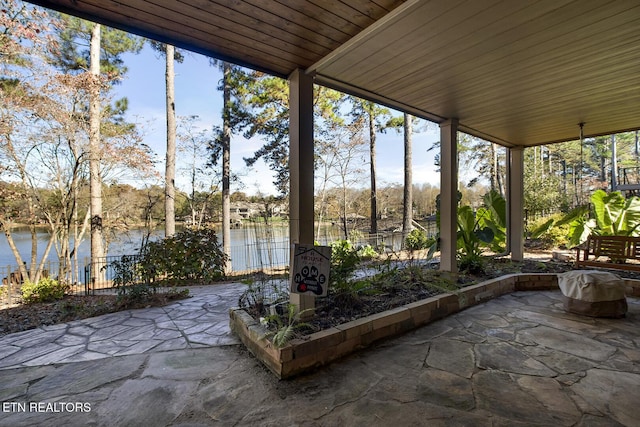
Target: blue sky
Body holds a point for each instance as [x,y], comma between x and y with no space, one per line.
[196,94]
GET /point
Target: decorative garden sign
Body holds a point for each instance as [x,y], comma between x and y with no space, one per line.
[311,265]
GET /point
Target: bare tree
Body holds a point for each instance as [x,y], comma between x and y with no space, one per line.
[203,181]
[342,154]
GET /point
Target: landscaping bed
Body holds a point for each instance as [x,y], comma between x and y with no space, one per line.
[345,323]
[22,317]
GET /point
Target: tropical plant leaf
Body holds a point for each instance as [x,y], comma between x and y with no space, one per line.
[543,228]
[632,216]
[485,234]
[577,212]
[497,206]
[580,230]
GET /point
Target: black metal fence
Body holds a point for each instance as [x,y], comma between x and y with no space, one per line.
[264,255]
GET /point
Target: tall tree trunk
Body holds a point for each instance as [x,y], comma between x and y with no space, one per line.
[95,181]
[407,211]
[372,161]
[499,180]
[226,163]
[494,167]
[344,211]
[614,163]
[170,165]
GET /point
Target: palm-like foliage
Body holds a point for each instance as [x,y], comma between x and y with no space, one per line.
[286,329]
[611,215]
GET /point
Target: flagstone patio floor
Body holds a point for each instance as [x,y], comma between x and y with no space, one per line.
[519,359]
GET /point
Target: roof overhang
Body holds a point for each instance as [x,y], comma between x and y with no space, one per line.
[518,73]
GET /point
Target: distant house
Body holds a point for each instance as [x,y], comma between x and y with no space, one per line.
[244,210]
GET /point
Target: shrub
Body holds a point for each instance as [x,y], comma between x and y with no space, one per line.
[344,261]
[546,233]
[45,290]
[191,256]
[471,263]
[417,239]
[367,252]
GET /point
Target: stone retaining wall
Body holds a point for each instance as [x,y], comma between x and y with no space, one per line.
[322,347]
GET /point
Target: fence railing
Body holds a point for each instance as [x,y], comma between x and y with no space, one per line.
[260,255]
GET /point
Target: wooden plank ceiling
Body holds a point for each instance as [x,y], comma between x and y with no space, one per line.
[515,72]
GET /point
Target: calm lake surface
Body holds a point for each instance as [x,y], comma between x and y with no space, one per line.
[251,247]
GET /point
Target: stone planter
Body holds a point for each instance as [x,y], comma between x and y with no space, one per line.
[323,347]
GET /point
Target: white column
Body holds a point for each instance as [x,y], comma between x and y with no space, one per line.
[448,194]
[301,169]
[515,202]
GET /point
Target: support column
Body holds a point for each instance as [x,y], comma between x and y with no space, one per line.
[301,195]
[448,194]
[515,203]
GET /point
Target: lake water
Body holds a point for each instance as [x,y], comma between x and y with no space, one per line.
[251,247]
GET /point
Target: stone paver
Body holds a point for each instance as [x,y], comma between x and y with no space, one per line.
[187,323]
[518,360]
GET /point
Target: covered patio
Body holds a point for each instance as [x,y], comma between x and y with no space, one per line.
[515,73]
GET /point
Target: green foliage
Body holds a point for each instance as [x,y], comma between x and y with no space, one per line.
[549,232]
[417,239]
[75,34]
[286,328]
[472,263]
[190,256]
[128,271]
[611,215]
[471,235]
[414,277]
[367,252]
[485,228]
[136,294]
[45,290]
[132,281]
[615,215]
[542,192]
[493,215]
[540,227]
[471,238]
[344,261]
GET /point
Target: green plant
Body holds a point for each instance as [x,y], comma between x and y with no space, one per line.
[344,262]
[548,232]
[366,252]
[286,328]
[136,294]
[128,271]
[417,239]
[611,215]
[193,256]
[45,290]
[493,215]
[472,236]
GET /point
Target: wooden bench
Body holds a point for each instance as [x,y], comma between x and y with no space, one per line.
[616,249]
